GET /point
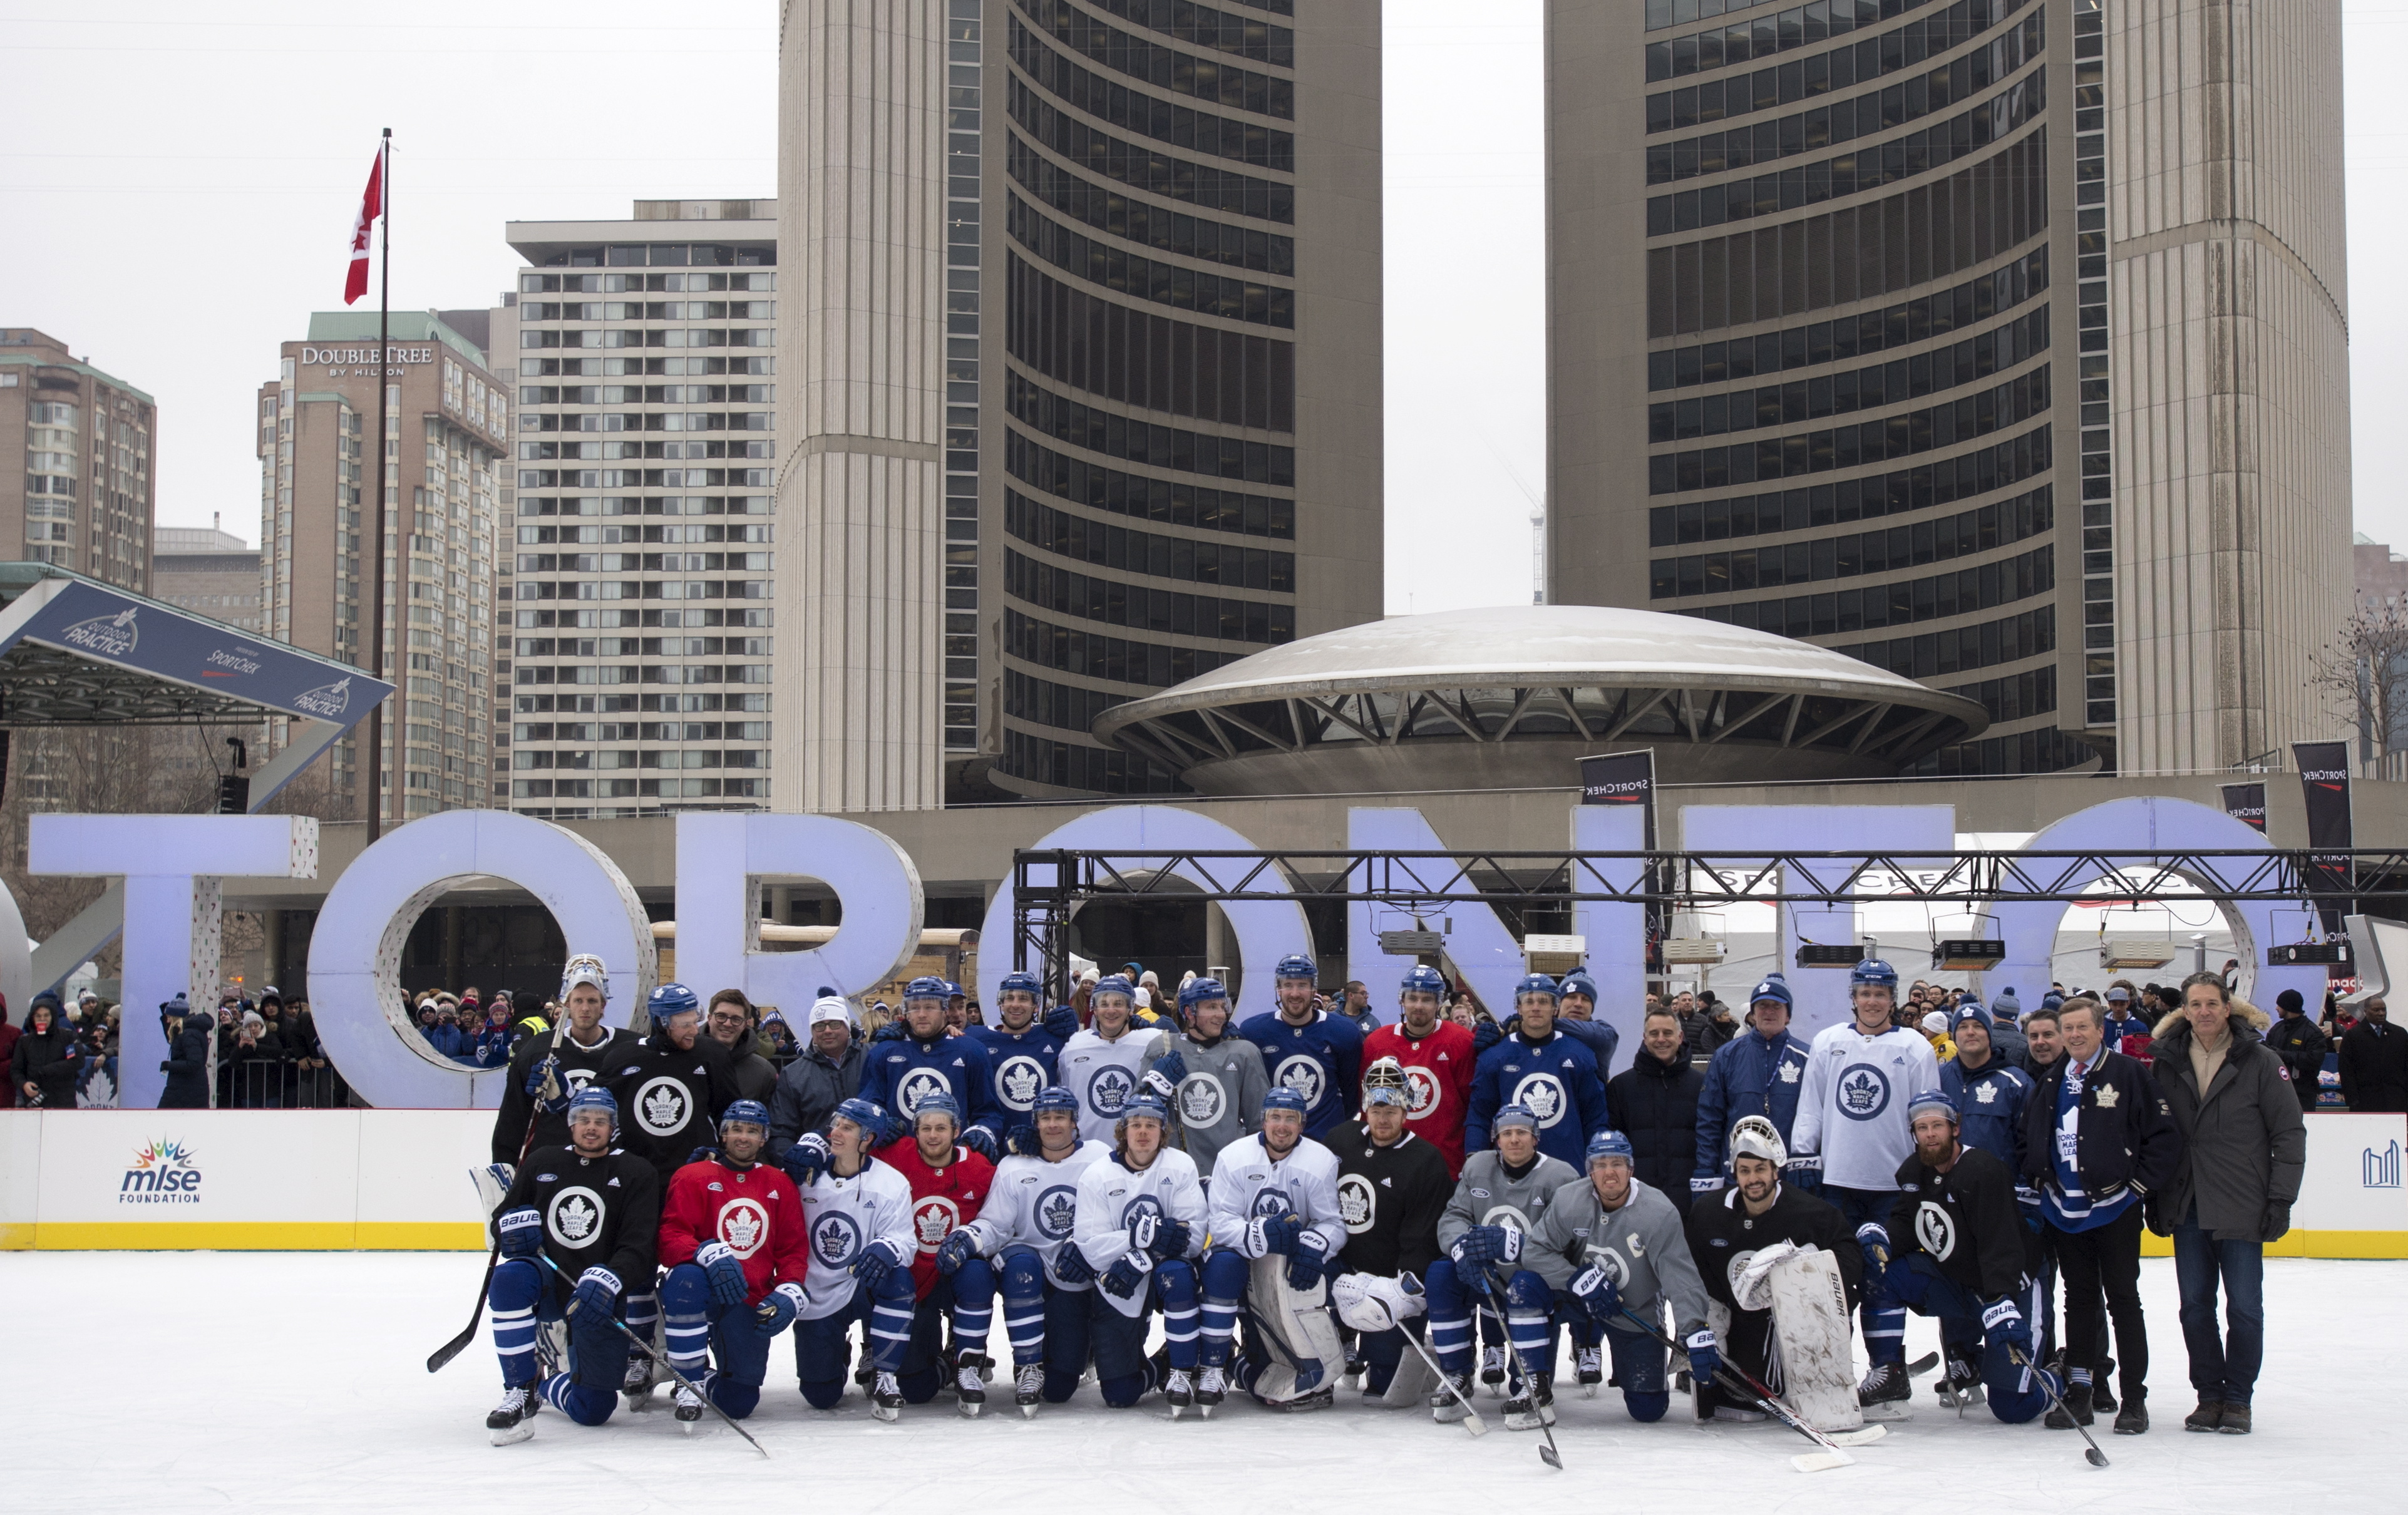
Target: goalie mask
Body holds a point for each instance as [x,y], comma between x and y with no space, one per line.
[1755,1136]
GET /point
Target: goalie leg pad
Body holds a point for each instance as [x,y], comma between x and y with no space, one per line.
[1809,1329]
[1305,1349]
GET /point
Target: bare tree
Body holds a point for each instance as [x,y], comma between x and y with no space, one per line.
[2363,673]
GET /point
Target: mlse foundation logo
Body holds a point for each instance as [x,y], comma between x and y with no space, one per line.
[162,1173]
[2380,1170]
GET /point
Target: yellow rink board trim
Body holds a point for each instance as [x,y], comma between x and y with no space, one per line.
[2298,1243]
[246,1236]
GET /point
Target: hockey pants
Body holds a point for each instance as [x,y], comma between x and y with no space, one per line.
[1121,1372]
[700,1330]
[2016,1394]
[1885,1319]
[823,1351]
[589,1390]
[1045,1322]
[969,1297]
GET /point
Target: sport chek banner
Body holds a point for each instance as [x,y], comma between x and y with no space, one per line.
[1619,778]
[2246,802]
[2324,780]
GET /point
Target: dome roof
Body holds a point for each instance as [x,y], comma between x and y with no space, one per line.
[1747,704]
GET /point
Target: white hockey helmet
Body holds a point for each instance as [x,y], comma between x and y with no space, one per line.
[1754,1136]
[585,969]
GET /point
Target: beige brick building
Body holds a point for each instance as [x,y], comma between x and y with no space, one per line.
[78,455]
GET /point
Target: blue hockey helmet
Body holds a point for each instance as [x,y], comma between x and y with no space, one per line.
[1195,990]
[1296,965]
[1537,983]
[941,1104]
[1773,988]
[595,1098]
[1512,1115]
[670,1001]
[1053,1097]
[1931,1102]
[1577,982]
[1144,1107]
[1421,978]
[1281,1097]
[747,1112]
[1114,984]
[1021,981]
[868,1115]
[954,990]
[1873,971]
[923,987]
[1610,1143]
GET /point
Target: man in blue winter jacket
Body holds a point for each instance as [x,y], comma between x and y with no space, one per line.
[1989,1093]
[1755,1074]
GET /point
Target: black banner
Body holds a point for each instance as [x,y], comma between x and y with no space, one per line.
[1619,778]
[2246,802]
[2324,780]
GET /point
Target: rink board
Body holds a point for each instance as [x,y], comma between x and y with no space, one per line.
[396,1181]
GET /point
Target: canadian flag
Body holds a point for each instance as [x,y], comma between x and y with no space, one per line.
[372,207]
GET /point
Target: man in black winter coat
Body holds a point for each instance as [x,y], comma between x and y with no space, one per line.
[2299,1044]
[1655,1103]
[2374,1062]
[43,1068]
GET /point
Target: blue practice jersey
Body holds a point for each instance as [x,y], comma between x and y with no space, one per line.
[1023,1063]
[1322,1060]
[1556,1080]
[898,1075]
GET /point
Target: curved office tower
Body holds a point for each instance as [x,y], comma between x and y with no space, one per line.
[1997,343]
[1082,394]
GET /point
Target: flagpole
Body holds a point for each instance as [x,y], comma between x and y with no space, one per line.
[375,543]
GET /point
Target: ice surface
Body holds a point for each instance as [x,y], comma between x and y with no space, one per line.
[151,1381]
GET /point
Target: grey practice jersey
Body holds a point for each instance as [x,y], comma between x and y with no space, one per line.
[1486,1195]
[1642,1247]
[1220,1099]
[1035,1204]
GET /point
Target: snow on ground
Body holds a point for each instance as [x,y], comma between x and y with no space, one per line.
[160,1381]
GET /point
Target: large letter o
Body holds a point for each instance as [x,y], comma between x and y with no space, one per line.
[355,951]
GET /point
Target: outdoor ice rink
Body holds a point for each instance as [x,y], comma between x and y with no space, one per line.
[153,1381]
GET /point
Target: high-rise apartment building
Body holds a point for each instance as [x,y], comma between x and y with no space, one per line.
[1083,361]
[2000,343]
[77,461]
[635,627]
[208,570]
[446,426]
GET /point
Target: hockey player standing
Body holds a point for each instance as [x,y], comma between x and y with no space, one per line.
[1275,1225]
[1963,1254]
[949,1183]
[1306,1048]
[1502,1195]
[1021,1051]
[732,1240]
[1103,1064]
[1437,1060]
[858,1214]
[1851,1134]
[926,1059]
[595,1211]
[1026,1228]
[546,1070]
[1544,1070]
[1212,1082]
[1140,1224]
[1392,1187]
[1755,1074]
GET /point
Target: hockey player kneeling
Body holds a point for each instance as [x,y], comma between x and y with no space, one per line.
[732,1239]
[1964,1257]
[1140,1222]
[1781,1266]
[1276,1227]
[1608,1243]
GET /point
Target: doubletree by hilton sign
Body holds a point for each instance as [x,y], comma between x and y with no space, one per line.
[342,361]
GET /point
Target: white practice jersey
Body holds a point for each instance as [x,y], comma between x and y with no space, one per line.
[1035,1204]
[841,1216]
[1103,1074]
[1111,1196]
[1852,1103]
[1248,1186]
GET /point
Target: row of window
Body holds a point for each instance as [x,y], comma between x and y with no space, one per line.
[1065,707]
[648,310]
[1936,598]
[1176,285]
[659,505]
[2016,695]
[1151,362]
[1074,536]
[2047,750]
[1095,655]
[665,255]
[643,283]
[1069,765]
[649,731]
[1845,120]
[596,336]
[1901,47]
[1849,336]
[666,673]
[681,589]
[1151,225]
[1854,173]
[606,562]
[671,420]
[1959,536]
[663,704]
[1133,111]
[612,367]
[1119,604]
[629,758]
[605,535]
[650,647]
[538,619]
[637,789]
[1867,498]
[1968,362]
[645,394]
[1166,501]
[648,478]
[1223,31]
[1144,443]
[1935,655]
[1901,435]
[1134,57]
[1926,232]
[1775,32]
[1143,169]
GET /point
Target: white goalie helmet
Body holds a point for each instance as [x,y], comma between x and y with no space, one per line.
[584,969]
[1755,1136]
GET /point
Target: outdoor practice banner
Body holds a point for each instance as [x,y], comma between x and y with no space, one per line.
[2324,779]
[2246,802]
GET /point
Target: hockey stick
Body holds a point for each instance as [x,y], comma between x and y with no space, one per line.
[658,1361]
[1547,1452]
[1748,1386]
[1471,1422]
[2094,1456]
[452,1348]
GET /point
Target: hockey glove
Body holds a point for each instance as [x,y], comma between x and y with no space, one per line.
[1706,1183]
[705,1153]
[2002,1321]
[1021,1141]
[807,1159]
[1274,1235]
[1171,1238]
[1474,1248]
[978,1139]
[777,1311]
[1305,1264]
[1159,1087]
[1509,1244]
[1874,1238]
[1122,1281]
[597,1293]
[1062,1022]
[1704,1361]
[1070,1264]
[1598,1295]
[893,1030]
[1804,1174]
[545,1087]
[1484,1036]
[729,1288]
[873,1268]
[955,1249]
[1171,1066]
[521,1232]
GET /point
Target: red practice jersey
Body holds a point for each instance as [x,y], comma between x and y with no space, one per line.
[1439,1070]
[942,1198]
[755,1210]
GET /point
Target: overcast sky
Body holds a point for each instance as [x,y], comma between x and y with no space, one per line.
[176,195]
